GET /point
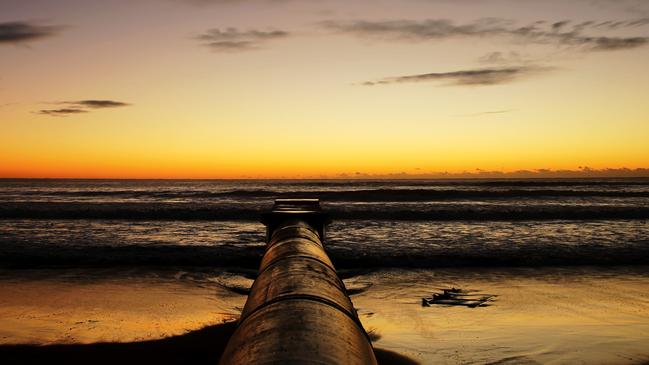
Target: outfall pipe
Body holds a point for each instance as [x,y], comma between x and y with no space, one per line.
[298,310]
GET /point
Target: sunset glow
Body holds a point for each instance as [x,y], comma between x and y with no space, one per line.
[300,89]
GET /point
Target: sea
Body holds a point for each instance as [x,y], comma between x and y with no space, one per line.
[375,224]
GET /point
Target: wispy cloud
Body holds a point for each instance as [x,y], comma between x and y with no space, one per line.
[488,112]
[415,30]
[81,106]
[234,40]
[63,112]
[504,58]
[96,104]
[474,77]
[563,33]
[21,32]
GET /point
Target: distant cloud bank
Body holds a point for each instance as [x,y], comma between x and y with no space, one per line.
[582,172]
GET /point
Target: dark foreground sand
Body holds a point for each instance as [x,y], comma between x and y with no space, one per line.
[203,346]
[541,316]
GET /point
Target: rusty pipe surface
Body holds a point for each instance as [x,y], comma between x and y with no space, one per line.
[298,310]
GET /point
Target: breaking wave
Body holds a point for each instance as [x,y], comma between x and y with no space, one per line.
[397,211]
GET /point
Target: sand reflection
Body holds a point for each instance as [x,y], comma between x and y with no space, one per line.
[580,315]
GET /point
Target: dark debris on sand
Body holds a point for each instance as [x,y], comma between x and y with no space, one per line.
[462,297]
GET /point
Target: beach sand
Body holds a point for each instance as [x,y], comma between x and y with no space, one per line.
[544,315]
[541,315]
[81,306]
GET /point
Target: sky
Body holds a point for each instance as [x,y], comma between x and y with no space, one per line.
[323,89]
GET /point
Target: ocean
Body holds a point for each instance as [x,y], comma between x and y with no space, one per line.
[376,224]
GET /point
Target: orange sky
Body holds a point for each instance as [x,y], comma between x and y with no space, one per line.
[291,89]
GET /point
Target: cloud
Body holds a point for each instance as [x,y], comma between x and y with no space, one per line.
[488,112]
[234,40]
[638,22]
[61,112]
[558,25]
[612,44]
[96,104]
[21,32]
[81,106]
[415,30]
[581,172]
[558,33]
[504,58]
[475,77]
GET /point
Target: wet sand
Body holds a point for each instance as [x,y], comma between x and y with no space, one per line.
[546,316]
[78,306]
[553,315]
